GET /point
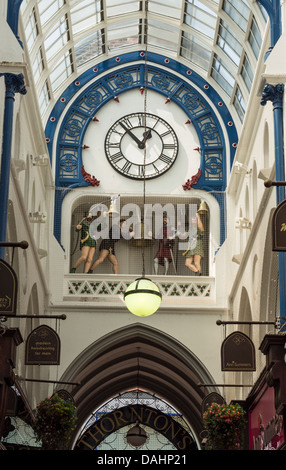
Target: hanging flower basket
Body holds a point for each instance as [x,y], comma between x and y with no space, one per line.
[55,421]
[225,425]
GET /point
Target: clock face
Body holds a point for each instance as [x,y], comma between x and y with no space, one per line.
[141,145]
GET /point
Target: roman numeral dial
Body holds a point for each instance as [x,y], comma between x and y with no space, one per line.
[141,145]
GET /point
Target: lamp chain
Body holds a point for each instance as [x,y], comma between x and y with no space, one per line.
[145,125]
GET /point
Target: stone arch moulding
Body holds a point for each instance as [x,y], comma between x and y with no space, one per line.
[143,357]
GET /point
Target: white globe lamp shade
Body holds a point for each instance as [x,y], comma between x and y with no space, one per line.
[142,297]
[136,436]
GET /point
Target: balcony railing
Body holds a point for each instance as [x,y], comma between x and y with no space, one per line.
[176,290]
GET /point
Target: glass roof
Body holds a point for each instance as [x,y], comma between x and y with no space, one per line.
[219,39]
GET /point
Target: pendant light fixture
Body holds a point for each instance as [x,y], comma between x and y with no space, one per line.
[143,297]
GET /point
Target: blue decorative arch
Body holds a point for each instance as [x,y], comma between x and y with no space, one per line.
[105,82]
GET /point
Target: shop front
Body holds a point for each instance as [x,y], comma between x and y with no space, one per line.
[266,404]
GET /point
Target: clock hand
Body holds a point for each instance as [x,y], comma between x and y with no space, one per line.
[138,141]
[146,135]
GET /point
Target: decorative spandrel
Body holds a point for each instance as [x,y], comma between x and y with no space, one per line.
[43,347]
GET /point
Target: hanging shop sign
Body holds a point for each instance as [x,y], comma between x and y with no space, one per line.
[43,347]
[8,289]
[279,228]
[211,398]
[237,353]
[65,395]
[140,414]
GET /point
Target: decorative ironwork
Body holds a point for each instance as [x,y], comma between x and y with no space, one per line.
[88,178]
[123,80]
[85,107]
[160,80]
[89,288]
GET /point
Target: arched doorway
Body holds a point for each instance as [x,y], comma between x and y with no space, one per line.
[162,365]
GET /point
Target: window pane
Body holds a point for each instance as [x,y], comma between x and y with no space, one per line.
[247,73]
[239,103]
[228,43]
[194,51]
[57,39]
[239,11]
[222,75]
[254,38]
[90,47]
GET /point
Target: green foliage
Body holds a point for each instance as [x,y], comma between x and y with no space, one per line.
[55,422]
[225,425]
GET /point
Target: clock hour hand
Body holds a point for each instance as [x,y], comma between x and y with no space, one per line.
[146,135]
[138,141]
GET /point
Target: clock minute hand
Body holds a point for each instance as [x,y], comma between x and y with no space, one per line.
[138,141]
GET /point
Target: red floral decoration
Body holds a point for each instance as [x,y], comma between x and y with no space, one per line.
[194,179]
[88,178]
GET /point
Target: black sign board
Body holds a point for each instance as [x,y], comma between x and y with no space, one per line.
[43,347]
[211,398]
[279,228]
[64,395]
[8,289]
[237,353]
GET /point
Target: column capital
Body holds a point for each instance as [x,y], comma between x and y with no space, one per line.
[272,93]
[14,83]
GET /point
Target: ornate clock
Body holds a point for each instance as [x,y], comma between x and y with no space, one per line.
[141,145]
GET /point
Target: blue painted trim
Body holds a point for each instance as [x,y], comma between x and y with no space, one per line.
[186,74]
[86,115]
[13,17]
[275,94]
[273,9]
[14,84]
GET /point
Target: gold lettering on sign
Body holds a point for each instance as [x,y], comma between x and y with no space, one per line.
[283,227]
[118,415]
[151,417]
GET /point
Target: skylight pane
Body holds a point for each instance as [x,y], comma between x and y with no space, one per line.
[228,42]
[246,73]
[172,8]
[57,39]
[200,18]
[193,50]
[239,11]
[31,30]
[61,71]
[239,104]
[89,48]
[48,8]
[120,7]
[162,35]
[254,38]
[38,65]
[86,14]
[44,98]
[222,75]
[122,35]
